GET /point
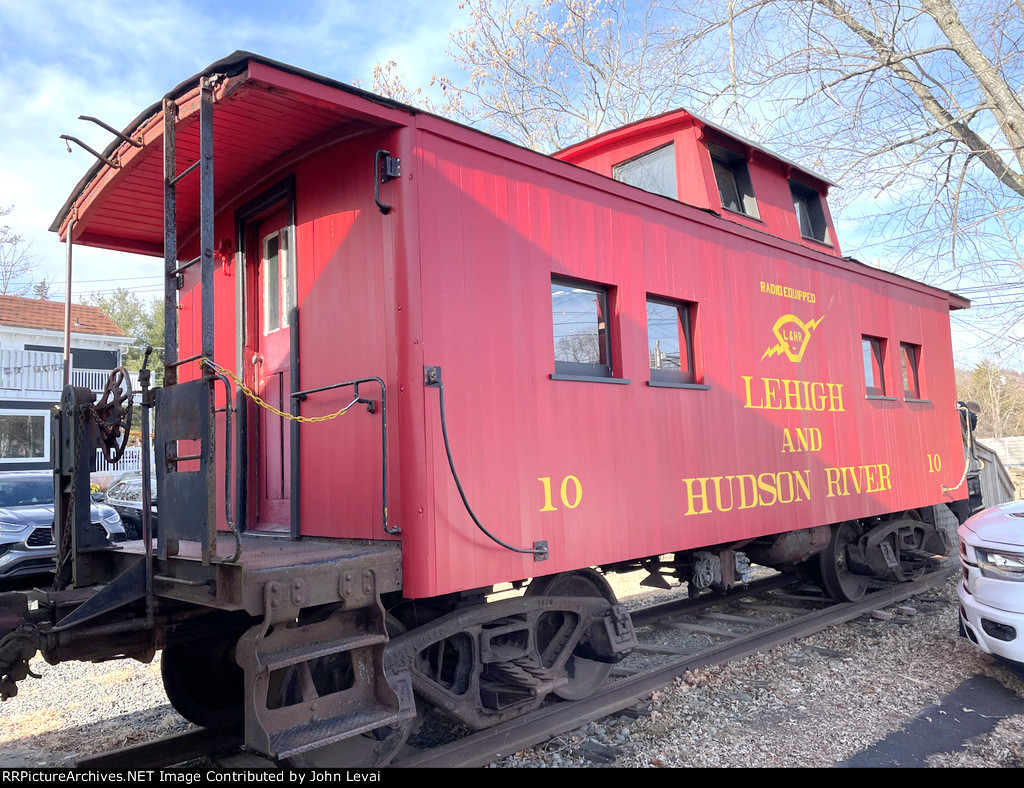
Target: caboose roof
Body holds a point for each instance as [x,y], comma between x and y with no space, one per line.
[670,120]
[265,112]
[269,115]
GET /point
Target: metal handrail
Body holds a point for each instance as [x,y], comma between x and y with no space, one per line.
[371,408]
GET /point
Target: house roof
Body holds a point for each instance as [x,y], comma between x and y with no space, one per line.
[49,315]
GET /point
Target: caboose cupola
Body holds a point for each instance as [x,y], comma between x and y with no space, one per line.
[688,158]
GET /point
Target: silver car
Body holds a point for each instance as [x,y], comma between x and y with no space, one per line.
[26,523]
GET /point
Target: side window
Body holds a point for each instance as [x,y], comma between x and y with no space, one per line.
[733,178]
[810,214]
[670,340]
[910,357]
[579,313]
[24,435]
[873,349]
[654,171]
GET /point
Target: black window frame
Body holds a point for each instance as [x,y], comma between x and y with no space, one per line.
[728,164]
[877,346]
[911,353]
[621,168]
[686,315]
[814,228]
[577,369]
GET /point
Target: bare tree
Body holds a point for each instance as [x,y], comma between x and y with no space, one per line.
[552,73]
[912,105]
[1000,393]
[388,82]
[16,263]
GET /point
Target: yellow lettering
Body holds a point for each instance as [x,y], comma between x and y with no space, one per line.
[702,496]
[835,391]
[546,484]
[803,481]
[577,495]
[749,402]
[883,477]
[817,396]
[834,488]
[718,493]
[790,394]
[743,491]
[854,477]
[768,487]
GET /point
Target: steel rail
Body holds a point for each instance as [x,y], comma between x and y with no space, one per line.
[484,747]
[161,753]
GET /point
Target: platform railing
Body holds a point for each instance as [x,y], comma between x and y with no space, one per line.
[23,373]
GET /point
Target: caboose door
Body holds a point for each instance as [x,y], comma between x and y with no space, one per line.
[268,273]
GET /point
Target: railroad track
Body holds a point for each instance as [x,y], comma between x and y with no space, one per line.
[675,637]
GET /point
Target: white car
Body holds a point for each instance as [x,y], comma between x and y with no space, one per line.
[992,591]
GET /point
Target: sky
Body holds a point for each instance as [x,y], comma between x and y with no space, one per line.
[111,59]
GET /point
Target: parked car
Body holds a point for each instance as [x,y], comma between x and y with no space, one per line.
[992,591]
[125,496]
[26,523]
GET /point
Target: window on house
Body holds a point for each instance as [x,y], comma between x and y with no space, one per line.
[654,171]
[582,342]
[873,349]
[910,357]
[24,436]
[670,340]
[810,214]
[733,178]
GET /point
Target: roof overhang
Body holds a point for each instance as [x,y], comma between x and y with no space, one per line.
[266,115]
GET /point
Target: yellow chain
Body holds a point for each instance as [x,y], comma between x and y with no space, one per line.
[255,398]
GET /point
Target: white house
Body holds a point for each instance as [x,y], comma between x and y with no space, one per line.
[32,370]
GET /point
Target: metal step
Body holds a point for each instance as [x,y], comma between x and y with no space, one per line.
[316,677]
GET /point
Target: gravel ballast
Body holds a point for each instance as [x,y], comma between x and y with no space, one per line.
[813,703]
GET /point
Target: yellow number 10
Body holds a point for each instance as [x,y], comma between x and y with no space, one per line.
[577,493]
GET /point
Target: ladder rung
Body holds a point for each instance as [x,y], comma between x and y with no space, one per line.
[286,657]
[181,175]
[185,266]
[184,360]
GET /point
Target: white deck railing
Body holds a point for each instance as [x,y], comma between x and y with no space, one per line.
[37,374]
[26,373]
[131,460]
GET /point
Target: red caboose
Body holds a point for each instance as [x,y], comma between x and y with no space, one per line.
[646,350]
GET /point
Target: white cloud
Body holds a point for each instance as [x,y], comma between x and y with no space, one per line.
[113,58]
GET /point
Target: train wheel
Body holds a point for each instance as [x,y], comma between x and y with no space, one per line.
[840,583]
[585,675]
[204,683]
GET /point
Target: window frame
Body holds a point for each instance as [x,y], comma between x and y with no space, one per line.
[909,350]
[686,318]
[735,165]
[876,347]
[668,146]
[45,416]
[810,199]
[578,369]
